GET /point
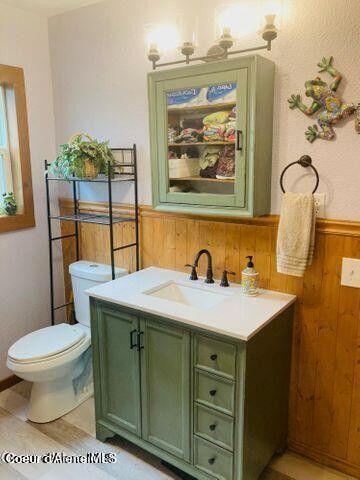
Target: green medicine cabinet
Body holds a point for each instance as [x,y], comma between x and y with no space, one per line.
[211,137]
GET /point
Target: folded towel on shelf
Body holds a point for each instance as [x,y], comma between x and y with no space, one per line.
[296,233]
[214,133]
[172,134]
[230,131]
[188,135]
[209,159]
[226,165]
[216,118]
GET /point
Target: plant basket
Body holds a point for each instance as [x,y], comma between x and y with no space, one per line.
[91,170]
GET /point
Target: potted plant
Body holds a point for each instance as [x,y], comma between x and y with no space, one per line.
[9,206]
[82,157]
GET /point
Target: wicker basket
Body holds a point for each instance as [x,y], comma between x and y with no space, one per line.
[90,169]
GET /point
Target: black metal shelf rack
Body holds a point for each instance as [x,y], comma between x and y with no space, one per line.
[108,220]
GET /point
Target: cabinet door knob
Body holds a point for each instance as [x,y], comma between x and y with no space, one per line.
[213,392]
[212,427]
[211,461]
[213,357]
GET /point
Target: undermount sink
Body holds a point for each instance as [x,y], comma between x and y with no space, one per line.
[191,296]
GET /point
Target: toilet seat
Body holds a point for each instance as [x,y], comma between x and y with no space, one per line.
[47,343]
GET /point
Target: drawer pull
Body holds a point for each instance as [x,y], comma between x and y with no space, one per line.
[132,343]
[213,357]
[211,461]
[140,340]
[213,392]
[212,427]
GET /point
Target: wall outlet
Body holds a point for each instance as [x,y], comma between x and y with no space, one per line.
[319,201]
[350,273]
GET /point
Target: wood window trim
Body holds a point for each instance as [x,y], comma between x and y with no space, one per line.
[14,76]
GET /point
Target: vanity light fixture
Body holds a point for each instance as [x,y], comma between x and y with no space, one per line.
[158,39]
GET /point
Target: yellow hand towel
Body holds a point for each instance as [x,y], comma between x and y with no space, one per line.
[296,233]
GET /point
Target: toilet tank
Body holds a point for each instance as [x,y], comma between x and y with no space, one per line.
[83,276]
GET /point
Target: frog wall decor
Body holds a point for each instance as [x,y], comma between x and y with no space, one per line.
[324,98]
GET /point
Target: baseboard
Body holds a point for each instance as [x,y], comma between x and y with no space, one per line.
[325,459]
[9,382]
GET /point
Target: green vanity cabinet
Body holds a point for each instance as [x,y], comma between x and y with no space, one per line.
[211,137]
[143,391]
[212,406]
[165,380]
[119,378]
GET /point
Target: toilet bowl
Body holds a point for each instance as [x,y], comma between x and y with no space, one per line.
[57,359]
[48,358]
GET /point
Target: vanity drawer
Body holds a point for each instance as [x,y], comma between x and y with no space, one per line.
[215,355]
[214,426]
[212,459]
[214,392]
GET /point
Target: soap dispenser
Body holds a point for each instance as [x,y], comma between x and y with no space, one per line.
[250,278]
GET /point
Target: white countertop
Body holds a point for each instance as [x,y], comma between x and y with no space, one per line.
[237,316]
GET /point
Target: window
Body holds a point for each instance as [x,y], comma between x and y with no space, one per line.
[15,169]
[6,182]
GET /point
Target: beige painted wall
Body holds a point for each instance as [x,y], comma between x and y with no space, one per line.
[24,275]
[99,70]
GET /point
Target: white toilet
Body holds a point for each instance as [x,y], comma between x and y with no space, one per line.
[57,359]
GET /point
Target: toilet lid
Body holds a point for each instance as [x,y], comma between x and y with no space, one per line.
[46,342]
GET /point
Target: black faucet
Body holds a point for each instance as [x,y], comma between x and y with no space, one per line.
[209,272]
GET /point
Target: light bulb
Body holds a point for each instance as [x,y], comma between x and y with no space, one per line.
[163,38]
[272,7]
[237,20]
[273,12]
[188,28]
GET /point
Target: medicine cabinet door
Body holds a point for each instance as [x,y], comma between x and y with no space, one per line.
[201,139]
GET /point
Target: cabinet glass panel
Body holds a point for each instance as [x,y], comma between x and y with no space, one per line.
[201,138]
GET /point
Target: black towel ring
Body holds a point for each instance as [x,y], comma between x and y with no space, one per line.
[305,161]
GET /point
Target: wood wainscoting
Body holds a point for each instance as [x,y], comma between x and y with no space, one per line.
[324,421]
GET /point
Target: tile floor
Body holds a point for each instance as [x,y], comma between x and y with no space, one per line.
[75,434]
